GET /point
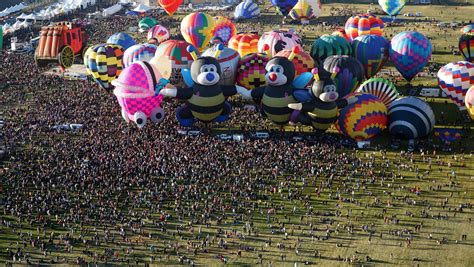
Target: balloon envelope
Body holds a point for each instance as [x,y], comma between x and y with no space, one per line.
[410,52]
[466,46]
[410,118]
[469,100]
[246,10]
[104,63]
[157,34]
[146,23]
[122,39]
[224,29]
[302,61]
[305,10]
[284,6]
[244,43]
[350,75]
[278,41]
[392,7]
[384,89]
[170,6]
[180,58]
[139,52]
[197,29]
[329,45]
[455,79]
[363,24]
[372,51]
[251,71]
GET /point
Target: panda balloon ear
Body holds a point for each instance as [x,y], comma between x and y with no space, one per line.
[294,52]
[192,50]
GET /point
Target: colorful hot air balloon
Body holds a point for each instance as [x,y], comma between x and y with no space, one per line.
[364,119]
[466,46]
[305,10]
[145,24]
[448,135]
[170,6]
[468,29]
[469,100]
[104,63]
[278,41]
[409,52]
[122,39]
[328,45]
[244,43]
[284,6]
[410,118]
[455,79]
[392,7]
[246,10]
[372,51]
[363,24]
[139,52]
[350,75]
[224,29]
[384,89]
[180,59]
[341,32]
[157,35]
[197,29]
[251,71]
[302,61]
[229,60]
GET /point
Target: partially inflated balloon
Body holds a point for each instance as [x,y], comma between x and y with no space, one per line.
[392,7]
[466,46]
[469,100]
[170,6]
[350,75]
[224,29]
[455,79]
[302,61]
[246,10]
[146,23]
[139,52]
[122,39]
[305,10]
[372,51]
[385,90]
[278,41]
[363,24]
[176,52]
[244,43]
[104,63]
[364,119]
[284,6]
[410,118]
[329,45]
[410,52]
[251,71]
[157,34]
[197,29]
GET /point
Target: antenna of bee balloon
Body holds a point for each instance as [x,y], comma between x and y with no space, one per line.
[334,72]
[294,52]
[220,48]
[266,49]
[315,73]
[192,50]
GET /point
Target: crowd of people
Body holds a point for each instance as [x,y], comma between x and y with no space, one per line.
[113,193]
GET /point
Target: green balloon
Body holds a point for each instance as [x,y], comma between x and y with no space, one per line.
[329,45]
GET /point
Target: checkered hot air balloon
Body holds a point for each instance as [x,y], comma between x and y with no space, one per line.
[224,29]
[410,52]
[157,34]
[455,79]
[410,118]
[372,51]
[466,46]
[302,61]
[363,24]
[329,45]
[392,7]
[104,63]
[175,51]
[384,89]
[364,119]
[139,52]
[278,40]
[197,29]
[244,43]
[251,71]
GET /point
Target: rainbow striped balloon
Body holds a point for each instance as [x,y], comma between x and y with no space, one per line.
[244,43]
[392,7]
[364,119]
[197,29]
[410,52]
[466,46]
[363,24]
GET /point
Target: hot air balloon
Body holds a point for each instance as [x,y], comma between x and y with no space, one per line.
[455,79]
[364,119]
[363,24]
[197,29]
[448,135]
[244,43]
[157,35]
[466,46]
[350,75]
[246,10]
[328,45]
[229,60]
[104,63]
[145,24]
[170,6]
[305,10]
[139,52]
[372,51]
[410,118]
[180,59]
[341,32]
[302,61]
[278,41]
[251,71]
[392,7]
[468,29]
[384,89]
[469,100]
[122,39]
[284,6]
[224,29]
[409,52]
[1,37]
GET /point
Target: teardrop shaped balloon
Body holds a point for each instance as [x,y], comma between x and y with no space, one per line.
[170,6]
[392,7]
[466,46]
[197,29]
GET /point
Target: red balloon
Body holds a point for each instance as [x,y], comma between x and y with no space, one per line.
[170,6]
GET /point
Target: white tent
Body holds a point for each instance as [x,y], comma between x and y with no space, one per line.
[111,10]
[141,8]
[12,9]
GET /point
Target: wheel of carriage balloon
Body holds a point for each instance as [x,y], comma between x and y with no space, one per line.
[66,57]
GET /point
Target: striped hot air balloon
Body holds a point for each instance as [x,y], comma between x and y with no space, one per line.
[329,45]
[466,46]
[224,29]
[410,52]
[392,7]
[197,29]
[157,34]
[139,52]
[104,63]
[363,24]
[410,118]
[469,100]
[372,51]
[305,10]
[246,10]
[251,71]
[278,41]
[364,119]
[244,43]
[455,79]
[350,75]
[384,89]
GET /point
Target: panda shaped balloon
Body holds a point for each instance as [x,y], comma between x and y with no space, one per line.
[205,97]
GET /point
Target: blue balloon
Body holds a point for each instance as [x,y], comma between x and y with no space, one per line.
[372,51]
[284,6]
[246,10]
[122,39]
[410,118]
[392,7]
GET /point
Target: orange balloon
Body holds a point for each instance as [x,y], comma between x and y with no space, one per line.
[170,6]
